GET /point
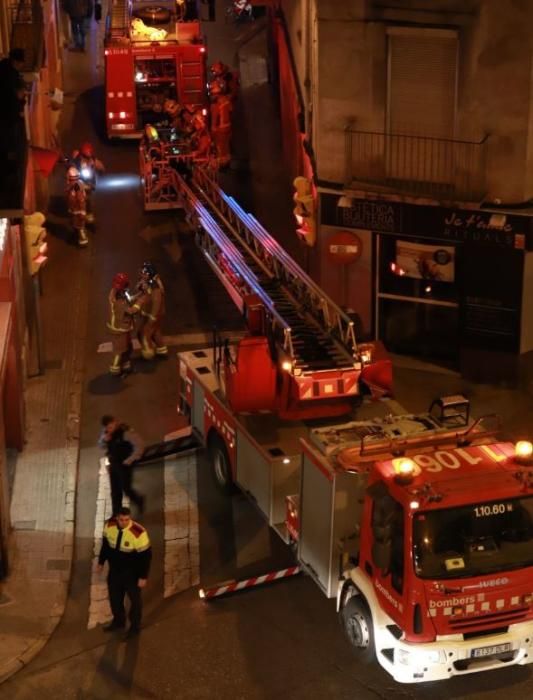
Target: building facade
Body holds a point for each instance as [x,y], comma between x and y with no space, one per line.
[32,26]
[417,119]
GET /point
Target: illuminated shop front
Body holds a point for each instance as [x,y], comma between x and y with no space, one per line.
[447,285]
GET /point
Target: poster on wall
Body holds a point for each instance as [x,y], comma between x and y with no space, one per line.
[425,262]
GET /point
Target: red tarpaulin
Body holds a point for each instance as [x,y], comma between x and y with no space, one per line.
[44,159]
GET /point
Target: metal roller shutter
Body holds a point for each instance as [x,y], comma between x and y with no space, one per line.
[422,82]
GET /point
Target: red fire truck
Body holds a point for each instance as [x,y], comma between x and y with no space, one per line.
[421,529]
[421,526]
[151,57]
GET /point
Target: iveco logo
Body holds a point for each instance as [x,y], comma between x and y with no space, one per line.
[491,583]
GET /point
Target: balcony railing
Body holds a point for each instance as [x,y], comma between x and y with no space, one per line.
[418,165]
[27,32]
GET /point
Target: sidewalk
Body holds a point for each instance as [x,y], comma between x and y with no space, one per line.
[42,506]
[33,597]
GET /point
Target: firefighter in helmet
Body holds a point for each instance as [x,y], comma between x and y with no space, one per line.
[225,79]
[88,166]
[152,308]
[152,143]
[76,196]
[153,153]
[186,118]
[219,70]
[201,140]
[172,108]
[221,108]
[120,324]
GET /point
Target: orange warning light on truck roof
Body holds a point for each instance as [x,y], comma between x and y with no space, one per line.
[441,464]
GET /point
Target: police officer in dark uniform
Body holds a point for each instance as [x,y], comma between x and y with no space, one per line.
[126,547]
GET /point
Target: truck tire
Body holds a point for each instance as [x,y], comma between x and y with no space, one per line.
[221,465]
[357,624]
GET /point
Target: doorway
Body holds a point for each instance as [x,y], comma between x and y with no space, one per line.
[417,299]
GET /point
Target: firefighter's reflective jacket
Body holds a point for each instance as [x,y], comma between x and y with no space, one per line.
[121,314]
[127,550]
[152,302]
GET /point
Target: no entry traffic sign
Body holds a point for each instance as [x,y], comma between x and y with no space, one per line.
[344,247]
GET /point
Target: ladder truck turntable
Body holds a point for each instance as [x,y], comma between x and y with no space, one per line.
[421,526]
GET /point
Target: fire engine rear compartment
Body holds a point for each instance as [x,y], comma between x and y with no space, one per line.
[155,82]
[268,462]
[149,63]
[334,498]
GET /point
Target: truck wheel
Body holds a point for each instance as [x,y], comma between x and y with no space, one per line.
[357,624]
[221,465]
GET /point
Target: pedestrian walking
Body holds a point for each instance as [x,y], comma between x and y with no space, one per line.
[191,10]
[126,548]
[12,86]
[207,7]
[123,448]
[100,13]
[79,11]
[12,127]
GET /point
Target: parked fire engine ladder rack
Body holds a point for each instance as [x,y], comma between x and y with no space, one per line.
[312,330]
[119,22]
[180,443]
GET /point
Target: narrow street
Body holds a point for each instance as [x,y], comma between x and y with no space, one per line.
[277,641]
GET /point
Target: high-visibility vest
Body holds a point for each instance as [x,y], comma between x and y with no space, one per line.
[134,537]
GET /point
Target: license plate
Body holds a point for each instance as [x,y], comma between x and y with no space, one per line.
[480,652]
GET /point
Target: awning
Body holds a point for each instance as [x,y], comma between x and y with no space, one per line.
[44,159]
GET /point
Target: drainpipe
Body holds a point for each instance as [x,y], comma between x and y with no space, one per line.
[310,60]
[307,65]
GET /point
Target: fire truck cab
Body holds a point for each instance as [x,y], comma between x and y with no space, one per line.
[151,58]
[436,544]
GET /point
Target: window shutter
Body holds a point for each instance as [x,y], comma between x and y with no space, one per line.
[422,82]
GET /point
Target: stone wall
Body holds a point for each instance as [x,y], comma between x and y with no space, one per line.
[494,77]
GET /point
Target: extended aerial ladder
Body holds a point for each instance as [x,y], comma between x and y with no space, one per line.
[119,18]
[311,340]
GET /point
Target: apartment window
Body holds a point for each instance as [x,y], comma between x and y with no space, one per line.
[422,82]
